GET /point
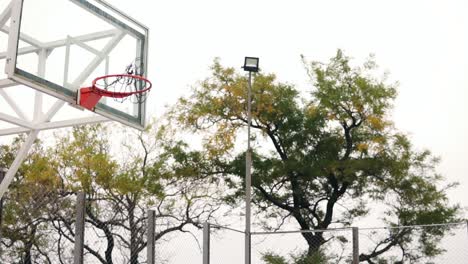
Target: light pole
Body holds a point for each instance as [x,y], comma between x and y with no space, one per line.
[250,65]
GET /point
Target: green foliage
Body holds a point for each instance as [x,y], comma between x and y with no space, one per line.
[84,159]
[302,258]
[33,196]
[272,258]
[317,257]
[336,146]
[121,181]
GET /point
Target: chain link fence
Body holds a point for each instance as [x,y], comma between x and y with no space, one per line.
[424,244]
[49,225]
[291,246]
[42,223]
[227,245]
[179,247]
[40,226]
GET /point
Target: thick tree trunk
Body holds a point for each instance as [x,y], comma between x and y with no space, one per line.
[28,247]
[27,253]
[314,242]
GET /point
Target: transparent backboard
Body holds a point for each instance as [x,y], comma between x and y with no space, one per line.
[62,45]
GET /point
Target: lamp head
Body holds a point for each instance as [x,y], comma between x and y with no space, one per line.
[251,64]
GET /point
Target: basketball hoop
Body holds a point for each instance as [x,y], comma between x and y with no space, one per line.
[117,86]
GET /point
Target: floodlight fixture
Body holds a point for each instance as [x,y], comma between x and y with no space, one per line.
[251,64]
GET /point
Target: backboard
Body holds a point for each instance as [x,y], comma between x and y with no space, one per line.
[58,46]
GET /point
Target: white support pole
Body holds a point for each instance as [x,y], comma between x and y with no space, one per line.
[24,37]
[5,83]
[41,68]
[82,38]
[5,15]
[13,37]
[98,59]
[83,45]
[16,121]
[37,106]
[55,125]
[36,45]
[76,41]
[13,105]
[52,111]
[67,63]
[22,153]
[72,122]
[13,131]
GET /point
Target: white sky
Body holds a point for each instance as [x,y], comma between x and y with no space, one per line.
[423,44]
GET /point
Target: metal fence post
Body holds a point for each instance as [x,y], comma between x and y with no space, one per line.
[150,246]
[467,226]
[2,175]
[355,245]
[79,228]
[206,243]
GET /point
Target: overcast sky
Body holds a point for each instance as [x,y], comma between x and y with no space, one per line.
[423,44]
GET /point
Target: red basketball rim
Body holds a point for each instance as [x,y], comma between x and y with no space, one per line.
[120,94]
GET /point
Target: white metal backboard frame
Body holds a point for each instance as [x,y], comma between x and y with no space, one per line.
[36,81]
[43,115]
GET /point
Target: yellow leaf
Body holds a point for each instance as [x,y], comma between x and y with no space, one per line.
[376,123]
[362,147]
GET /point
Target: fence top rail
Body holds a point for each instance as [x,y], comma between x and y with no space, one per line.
[227,228]
[364,228]
[414,226]
[303,231]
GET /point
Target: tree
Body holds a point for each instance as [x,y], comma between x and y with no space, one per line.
[34,194]
[150,171]
[122,181]
[322,158]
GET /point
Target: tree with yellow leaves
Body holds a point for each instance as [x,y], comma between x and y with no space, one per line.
[148,170]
